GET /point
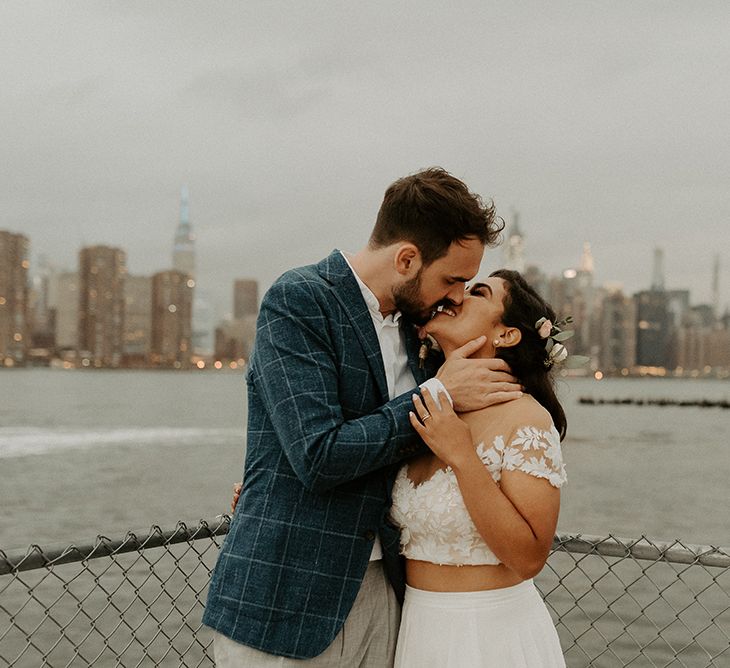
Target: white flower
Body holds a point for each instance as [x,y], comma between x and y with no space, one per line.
[545,329]
[557,353]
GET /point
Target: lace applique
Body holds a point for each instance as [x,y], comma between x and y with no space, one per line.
[435,524]
[538,453]
[532,451]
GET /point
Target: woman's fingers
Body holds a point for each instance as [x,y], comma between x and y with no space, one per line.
[439,404]
[429,401]
[421,409]
[415,423]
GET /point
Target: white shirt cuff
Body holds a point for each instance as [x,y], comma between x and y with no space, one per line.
[434,386]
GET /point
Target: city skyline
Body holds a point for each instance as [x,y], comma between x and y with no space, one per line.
[600,123]
[493,258]
[138,321]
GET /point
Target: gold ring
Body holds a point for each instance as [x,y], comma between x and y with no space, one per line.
[425,417]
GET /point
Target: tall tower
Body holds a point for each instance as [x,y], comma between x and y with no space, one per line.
[64,303]
[583,308]
[657,275]
[14,295]
[172,310]
[102,271]
[716,286]
[586,260]
[245,298]
[183,255]
[137,319]
[514,250]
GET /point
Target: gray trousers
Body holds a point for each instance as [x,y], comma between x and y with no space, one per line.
[367,639]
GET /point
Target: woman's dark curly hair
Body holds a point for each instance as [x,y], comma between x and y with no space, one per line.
[523,307]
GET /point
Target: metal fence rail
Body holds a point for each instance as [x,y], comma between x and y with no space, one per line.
[138,600]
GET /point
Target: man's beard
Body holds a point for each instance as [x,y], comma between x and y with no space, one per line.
[407,299]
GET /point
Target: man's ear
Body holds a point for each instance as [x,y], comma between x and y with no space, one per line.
[407,259]
[510,337]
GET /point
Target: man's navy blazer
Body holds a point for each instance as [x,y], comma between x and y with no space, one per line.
[323,447]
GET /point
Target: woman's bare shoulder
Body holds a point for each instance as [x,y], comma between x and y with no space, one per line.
[504,419]
[528,412]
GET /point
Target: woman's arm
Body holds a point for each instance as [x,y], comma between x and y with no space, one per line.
[518,517]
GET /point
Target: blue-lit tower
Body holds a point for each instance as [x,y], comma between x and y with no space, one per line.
[183,255]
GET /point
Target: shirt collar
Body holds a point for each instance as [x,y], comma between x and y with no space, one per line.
[370,299]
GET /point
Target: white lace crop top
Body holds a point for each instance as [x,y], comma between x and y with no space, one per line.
[434,523]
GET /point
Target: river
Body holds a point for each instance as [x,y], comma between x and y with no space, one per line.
[89,452]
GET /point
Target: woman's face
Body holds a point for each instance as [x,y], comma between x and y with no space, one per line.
[479,314]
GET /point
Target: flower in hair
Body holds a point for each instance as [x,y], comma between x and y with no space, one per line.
[545,329]
[557,354]
[554,333]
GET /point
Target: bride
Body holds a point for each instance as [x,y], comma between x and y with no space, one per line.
[478,513]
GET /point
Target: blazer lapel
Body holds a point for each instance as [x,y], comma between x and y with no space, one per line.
[335,269]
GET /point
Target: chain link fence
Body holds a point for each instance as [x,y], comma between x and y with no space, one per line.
[138,601]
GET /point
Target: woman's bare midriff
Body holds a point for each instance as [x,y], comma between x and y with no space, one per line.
[434,577]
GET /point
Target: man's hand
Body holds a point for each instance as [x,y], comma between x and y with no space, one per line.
[477,383]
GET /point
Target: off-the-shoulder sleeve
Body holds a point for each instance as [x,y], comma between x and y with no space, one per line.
[537,452]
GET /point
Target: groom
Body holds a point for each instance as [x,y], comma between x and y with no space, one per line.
[310,567]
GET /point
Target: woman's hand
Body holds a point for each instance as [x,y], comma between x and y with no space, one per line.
[236,495]
[441,429]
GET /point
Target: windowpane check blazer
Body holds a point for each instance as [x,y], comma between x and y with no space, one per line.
[323,447]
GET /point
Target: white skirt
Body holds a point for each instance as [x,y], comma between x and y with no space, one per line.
[501,628]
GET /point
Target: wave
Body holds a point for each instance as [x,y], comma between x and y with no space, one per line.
[25,441]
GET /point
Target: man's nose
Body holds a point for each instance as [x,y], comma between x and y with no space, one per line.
[456,294]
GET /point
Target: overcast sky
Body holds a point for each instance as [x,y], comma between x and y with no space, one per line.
[604,122]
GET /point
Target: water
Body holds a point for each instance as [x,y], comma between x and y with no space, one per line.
[83,453]
[89,452]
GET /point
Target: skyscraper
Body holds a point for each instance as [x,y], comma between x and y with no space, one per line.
[14,294]
[514,248]
[172,304]
[716,286]
[137,319]
[653,329]
[64,305]
[617,342]
[41,321]
[183,260]
[245,298]
[183,254]
[657,273]
[573,294]
[102,271]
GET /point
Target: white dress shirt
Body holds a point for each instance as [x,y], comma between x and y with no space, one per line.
[395,359]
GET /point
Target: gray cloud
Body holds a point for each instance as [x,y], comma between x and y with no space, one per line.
[287,120]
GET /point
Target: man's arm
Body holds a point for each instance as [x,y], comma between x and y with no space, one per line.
[295,373]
